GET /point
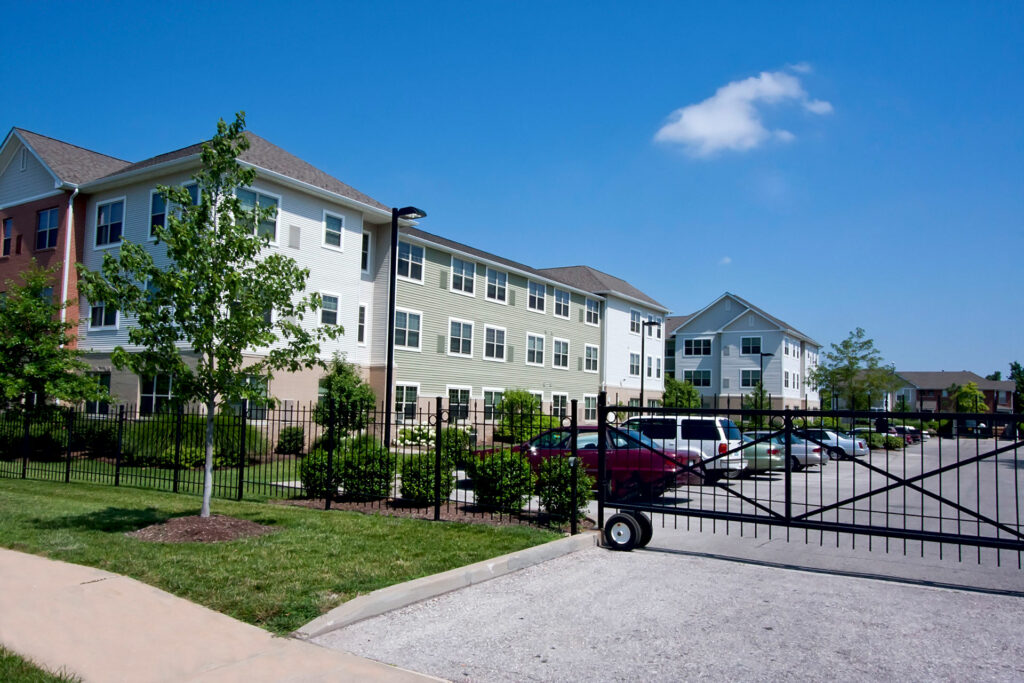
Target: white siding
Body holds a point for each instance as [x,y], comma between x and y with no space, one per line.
[17,185]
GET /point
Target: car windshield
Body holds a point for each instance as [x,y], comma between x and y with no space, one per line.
[732,432]
[636,436]
[656,428]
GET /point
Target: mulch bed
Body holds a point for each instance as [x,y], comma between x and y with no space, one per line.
[196,529]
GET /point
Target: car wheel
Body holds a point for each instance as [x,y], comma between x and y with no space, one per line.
[621,532]
[832,453]
[840,454]
[794,464]
[732,474]
[646,528]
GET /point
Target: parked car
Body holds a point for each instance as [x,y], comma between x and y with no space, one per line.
[636,467]
[909,434]
[836,444]
[762,456]
[717,438]
[804,453]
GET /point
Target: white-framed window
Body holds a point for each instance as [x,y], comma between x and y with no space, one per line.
[560,354]
[750,346]
[653,403]
[635,318]
[158,208]
[250,199]
[537,295]
[589,408]
[657,368]
[559,404]
[47,226]
[658,323]
[255,409]
[334,230]
[109,222]
[460,337]
[539,395]
[785,378]
[463,276]
[494,343]
[593,312]
[650,366]
[99,407]
[405,401]
[696,347]
[591,354]
[458,402]
[155,394]
[497,286]
[633,403]
[651,326]
[534,349]
[361,326]
[364,257]
[329,309]
[698,378]
[750,378]
[407,329]
[492,398]
[634,365]
[796,380]
[102,317]
[410,262]
[562,304]
[7,236]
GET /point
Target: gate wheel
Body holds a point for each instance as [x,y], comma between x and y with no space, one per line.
[621,532]
[646,528]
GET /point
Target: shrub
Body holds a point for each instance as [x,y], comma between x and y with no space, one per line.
[314,476]
[894,443]
[97,437]
[554,486]
[455,445]
[521,428]
[503,480]
[876,440]
[367,468]
[415,435]
[291,441]
[418,478]
[146,440]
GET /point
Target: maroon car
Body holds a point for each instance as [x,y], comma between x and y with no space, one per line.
[635,466]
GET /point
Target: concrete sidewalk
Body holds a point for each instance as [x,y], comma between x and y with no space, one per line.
[106,627]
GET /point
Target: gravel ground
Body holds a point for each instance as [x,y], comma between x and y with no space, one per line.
[648,615]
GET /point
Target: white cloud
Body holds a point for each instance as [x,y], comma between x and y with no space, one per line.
[725,260]
[730,118]
[801,68]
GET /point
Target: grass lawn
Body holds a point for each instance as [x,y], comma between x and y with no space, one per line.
[280,581]
[15,669]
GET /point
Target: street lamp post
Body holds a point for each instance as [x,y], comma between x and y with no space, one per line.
[760,378]
[409,213]
[643,355]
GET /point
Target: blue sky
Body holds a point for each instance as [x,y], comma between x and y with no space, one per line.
[838,164]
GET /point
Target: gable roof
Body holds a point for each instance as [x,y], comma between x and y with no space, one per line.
[674,322]
[786,327]
[942,379]
[70,163]
[593,280]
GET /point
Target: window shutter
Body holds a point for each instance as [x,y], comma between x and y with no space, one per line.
[444,278]
[725,383]
[511,295]
[294,235]
[510,353]
[579,365]
[725,350]
[582,313]
[440,343]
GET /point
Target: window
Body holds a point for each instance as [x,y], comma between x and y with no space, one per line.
[492,397]
[634,403]
[561,304]
[749,378]
[657,328]
[463,276]
[534,349]
[796,381]
[157,212]
[696,347]
[48,222]
[364,262]
[634,321]
[593,312]
[249,200]
[458,403]
[46,294]
[329,311]
[407,330]
[653,403]
[698,378]
[8,233]
[333,226]
[536,299]
[750,346]
[256,409]
[109,222]
[559,405]
[590,408]
[101,316]
[634,365]
[405,401]
[460,338]
[785,379]
[657,368]
[497,284]
[99,407]
[650,366]
[652,327]
[494,343]
[361,327]
[590,356]
[154,394]
[560,355]
[410,261]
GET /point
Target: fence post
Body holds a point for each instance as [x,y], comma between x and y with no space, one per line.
[120,445]
[574,463]
[331,420]
[71,435]
[787,427]
[177,446]
[25,444]
[602,453]
[241,449]
[437,459]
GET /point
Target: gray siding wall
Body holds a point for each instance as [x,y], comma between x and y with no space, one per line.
[16,185]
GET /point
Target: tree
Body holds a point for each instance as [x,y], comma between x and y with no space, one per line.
[37,360]
[353,398]
[996,376]
[221,294]
[757,399]
[967,398]
[681,394]
[852,370]
[1017,375]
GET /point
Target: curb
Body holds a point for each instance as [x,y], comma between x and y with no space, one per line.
[404,594]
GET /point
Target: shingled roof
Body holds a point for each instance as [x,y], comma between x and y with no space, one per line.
[673,322]
[593,280]
[943,379]
[70,163]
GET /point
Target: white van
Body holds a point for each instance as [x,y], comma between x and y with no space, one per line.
[713,436]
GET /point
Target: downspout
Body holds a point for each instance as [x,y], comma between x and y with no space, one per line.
[67,254]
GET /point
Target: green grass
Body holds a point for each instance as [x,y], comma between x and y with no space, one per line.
[15,669]
[280,581]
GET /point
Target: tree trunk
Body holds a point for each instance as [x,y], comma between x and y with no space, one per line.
[208,470]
